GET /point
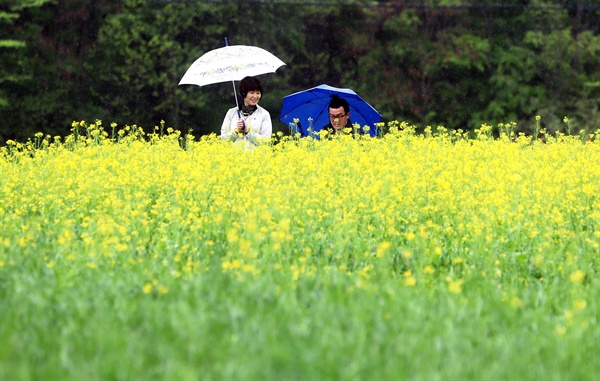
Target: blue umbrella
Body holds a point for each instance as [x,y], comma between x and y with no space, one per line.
[314,103]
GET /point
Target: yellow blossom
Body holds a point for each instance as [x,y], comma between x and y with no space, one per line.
[162,289]
[516,302]
[455,287]
[147,288]
[579,304]
[577,277]
[382,248]
[457,261]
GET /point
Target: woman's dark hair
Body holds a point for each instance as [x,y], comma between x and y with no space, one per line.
[337,102]
[250,84]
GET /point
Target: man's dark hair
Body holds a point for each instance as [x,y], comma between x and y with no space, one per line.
[250,84]
[337,102]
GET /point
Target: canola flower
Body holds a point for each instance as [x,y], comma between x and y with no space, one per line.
[403,202]
[433,214]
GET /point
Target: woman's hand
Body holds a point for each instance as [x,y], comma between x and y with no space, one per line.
[241,127]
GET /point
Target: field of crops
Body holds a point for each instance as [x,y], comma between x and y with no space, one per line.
[126,255]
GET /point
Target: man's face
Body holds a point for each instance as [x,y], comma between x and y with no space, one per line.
[338,117]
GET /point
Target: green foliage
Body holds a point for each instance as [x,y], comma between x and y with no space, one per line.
[7,17]
[441,63]
[48,86]
[23,4]
[497,64]
[149,50]
[9,60]
[12,44]
[550,75]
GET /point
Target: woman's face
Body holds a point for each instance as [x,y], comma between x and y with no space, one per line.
[252,98]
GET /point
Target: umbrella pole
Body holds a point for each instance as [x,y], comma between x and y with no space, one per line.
[235,96]
[237,106]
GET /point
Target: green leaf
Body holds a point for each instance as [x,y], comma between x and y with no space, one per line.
[8,17]
[22,4]
[12,44]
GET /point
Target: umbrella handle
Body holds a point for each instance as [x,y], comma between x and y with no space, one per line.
[243,122]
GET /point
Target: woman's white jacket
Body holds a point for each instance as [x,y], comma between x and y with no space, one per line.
[258,124]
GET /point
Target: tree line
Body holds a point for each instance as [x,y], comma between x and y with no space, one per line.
[453,63]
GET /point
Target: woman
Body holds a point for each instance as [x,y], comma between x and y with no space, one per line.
[252,122]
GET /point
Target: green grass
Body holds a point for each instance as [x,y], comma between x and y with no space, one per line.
[215,327]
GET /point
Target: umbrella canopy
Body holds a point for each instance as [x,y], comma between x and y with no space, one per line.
[230,63]
[314,103]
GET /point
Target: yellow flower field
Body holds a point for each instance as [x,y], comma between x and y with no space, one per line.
[403,256]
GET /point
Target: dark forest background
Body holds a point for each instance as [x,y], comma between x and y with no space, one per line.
[453,63]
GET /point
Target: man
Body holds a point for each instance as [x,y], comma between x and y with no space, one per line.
[339,115]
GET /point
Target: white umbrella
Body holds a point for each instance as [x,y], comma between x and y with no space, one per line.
[230,63]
